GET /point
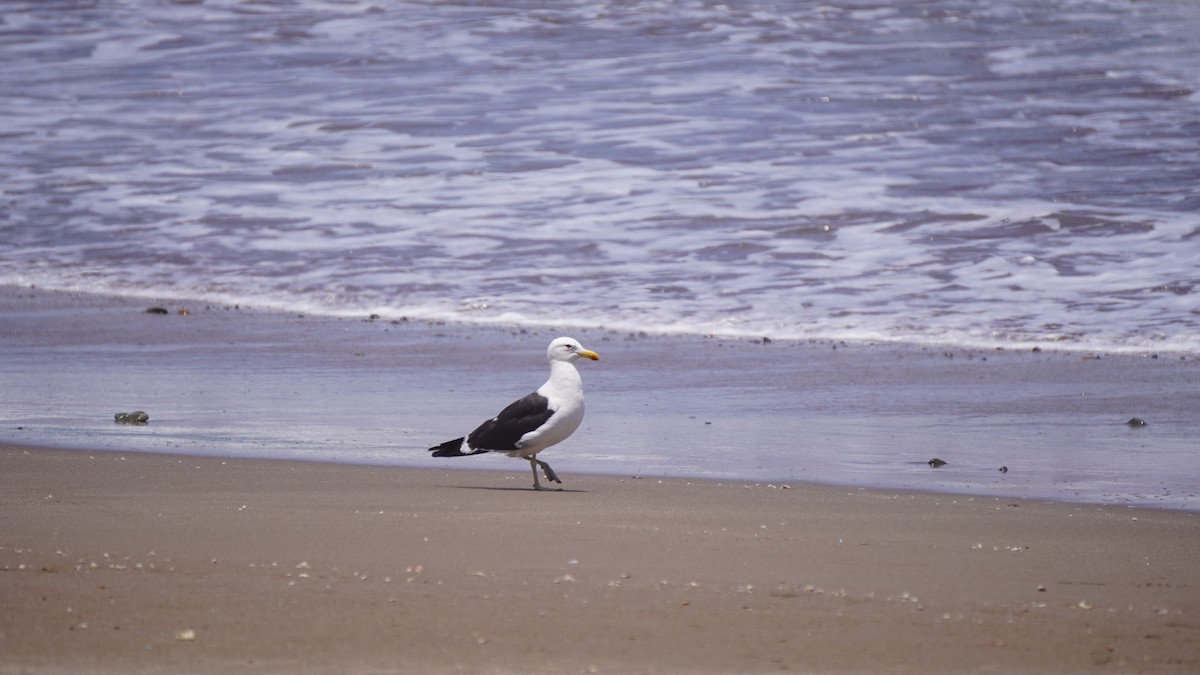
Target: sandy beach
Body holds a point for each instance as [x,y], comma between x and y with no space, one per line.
[280,514]
[134,563]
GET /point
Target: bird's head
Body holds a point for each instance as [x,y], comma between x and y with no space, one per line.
[569,349]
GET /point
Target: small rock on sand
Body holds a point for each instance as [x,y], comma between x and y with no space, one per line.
[135,417]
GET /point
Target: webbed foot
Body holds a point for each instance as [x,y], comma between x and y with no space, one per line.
[550,475]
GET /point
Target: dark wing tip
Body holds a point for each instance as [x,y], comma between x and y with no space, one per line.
[449,448]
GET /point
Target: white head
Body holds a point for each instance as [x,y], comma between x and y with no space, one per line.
[569,349]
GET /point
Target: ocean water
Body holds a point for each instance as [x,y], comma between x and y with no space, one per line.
[940,171]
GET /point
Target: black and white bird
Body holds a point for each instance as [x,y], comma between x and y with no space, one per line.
[531,424]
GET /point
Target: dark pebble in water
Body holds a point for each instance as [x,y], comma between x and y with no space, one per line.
[935,462]
[1004,469]
[157,310]
[1137,422]
[135,417]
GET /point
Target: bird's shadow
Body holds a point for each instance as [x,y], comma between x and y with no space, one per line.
[506,489]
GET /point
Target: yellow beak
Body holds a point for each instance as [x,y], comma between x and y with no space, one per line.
[588,354]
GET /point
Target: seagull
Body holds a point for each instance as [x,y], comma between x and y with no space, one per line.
[531,424]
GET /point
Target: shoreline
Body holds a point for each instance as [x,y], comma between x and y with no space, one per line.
[507,324]
[152,563]
[510,474]
[246,383]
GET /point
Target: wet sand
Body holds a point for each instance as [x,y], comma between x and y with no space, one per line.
[235,382]
[141,563]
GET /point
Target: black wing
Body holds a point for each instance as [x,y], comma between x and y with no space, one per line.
[502,432]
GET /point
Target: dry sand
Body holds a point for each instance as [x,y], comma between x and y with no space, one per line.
[136,562]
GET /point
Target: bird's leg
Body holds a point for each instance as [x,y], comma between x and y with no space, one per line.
[533,464]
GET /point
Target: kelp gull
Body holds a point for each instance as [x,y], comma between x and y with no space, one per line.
[533,423]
